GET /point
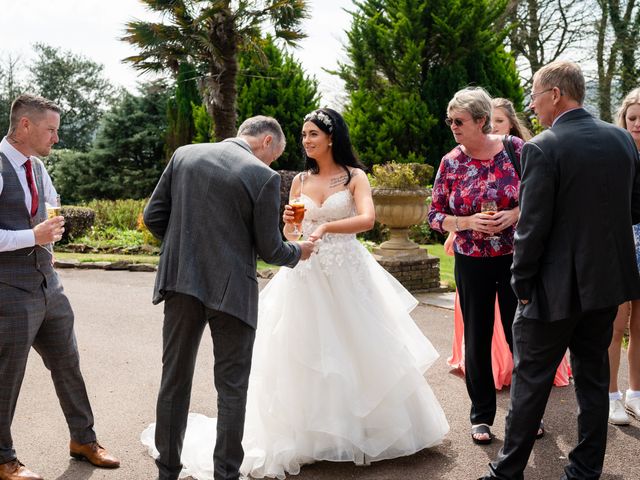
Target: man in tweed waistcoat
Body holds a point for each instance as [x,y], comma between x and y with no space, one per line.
[34,311]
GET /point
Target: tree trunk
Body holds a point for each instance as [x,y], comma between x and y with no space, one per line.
[226,114]
[606,66]
[535,50]
[628,79]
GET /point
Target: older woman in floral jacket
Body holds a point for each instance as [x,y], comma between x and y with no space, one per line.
[475,194]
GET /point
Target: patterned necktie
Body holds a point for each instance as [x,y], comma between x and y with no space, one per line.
[32,187]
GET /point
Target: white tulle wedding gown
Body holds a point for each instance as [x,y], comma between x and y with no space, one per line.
[338,366]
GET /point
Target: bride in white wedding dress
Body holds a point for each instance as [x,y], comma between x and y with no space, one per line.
[338,364]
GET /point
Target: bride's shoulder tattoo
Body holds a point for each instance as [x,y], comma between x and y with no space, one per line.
[338,180]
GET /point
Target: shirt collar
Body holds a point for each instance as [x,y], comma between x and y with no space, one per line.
[16,158]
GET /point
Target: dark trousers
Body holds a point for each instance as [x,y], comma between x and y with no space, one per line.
[43,320]
[185,318]
[479,279]
[538,349]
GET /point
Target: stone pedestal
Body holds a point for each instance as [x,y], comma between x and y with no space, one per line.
[417,273]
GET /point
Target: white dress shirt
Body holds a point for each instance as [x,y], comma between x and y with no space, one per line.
[17,239]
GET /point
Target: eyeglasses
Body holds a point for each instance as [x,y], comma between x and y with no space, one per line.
[450,121]
[534,95]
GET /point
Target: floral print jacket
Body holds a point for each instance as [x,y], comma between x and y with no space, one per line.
[462,183]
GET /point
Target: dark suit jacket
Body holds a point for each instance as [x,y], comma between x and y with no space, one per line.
[216,206]
[579,196]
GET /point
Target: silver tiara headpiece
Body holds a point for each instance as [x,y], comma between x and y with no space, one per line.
[322,117]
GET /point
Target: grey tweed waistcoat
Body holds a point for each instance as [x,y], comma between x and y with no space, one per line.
[25,268]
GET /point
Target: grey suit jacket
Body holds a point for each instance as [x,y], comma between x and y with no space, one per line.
[579,196]
[216,206]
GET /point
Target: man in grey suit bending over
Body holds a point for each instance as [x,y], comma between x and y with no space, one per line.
[215,206]
[573,264]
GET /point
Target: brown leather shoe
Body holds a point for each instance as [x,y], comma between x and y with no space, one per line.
[14,470]
[94,454]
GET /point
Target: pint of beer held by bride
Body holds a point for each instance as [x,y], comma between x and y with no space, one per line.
[297,205]
[298,213]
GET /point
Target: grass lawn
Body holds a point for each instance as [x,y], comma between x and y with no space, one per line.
[112,257]
[446,264]
[106,257]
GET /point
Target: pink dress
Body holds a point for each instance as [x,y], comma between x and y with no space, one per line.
[501,359]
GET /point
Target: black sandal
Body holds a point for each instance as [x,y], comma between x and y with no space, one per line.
[540,432]
[481,429]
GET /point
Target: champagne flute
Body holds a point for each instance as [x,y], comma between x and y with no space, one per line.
[489,207]
[298,215]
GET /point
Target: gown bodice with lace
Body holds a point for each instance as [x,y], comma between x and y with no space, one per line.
[338,365]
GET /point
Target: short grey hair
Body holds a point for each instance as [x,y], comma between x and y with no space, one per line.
[632,98]
[567,76]
[476,101]
[31,106]
[262,125]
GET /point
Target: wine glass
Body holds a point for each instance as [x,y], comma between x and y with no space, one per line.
[298,215]
[489,207]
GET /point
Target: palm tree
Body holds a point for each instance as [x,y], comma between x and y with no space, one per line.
[209,34]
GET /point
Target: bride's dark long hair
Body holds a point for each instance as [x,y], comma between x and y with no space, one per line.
[332,123]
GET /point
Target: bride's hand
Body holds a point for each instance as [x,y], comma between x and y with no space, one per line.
[317,233]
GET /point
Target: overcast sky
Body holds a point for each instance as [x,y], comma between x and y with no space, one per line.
[92,28]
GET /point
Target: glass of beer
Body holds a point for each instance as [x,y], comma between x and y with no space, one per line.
[54,209]
[298,215]
[489,207]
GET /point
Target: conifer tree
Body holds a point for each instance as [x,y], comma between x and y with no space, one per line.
[406,60]
[181,128]
[275,84]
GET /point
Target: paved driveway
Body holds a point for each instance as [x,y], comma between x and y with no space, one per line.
[119,333]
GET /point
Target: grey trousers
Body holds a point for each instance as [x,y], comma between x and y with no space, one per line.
[42,320]
[185,318]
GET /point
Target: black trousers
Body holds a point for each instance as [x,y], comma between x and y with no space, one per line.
[184,322]
[538,349]
[479,279]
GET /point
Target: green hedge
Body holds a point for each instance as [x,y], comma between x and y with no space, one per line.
[77,222]
[119,214]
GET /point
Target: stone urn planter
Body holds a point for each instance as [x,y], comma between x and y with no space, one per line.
[400,209]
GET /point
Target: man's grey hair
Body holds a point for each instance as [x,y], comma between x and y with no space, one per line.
[30,106]
[262,125]
[477,102]
[567,76]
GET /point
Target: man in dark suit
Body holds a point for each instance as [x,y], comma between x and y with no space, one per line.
[34,311]
[574,262]
[214,208]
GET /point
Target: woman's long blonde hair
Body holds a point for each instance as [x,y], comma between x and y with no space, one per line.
[517,127]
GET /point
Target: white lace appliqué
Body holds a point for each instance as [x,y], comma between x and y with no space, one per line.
[334,250]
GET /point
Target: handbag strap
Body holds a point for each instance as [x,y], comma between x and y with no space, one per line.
[507,141]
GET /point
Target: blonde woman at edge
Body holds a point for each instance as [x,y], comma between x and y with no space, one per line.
[629,312]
